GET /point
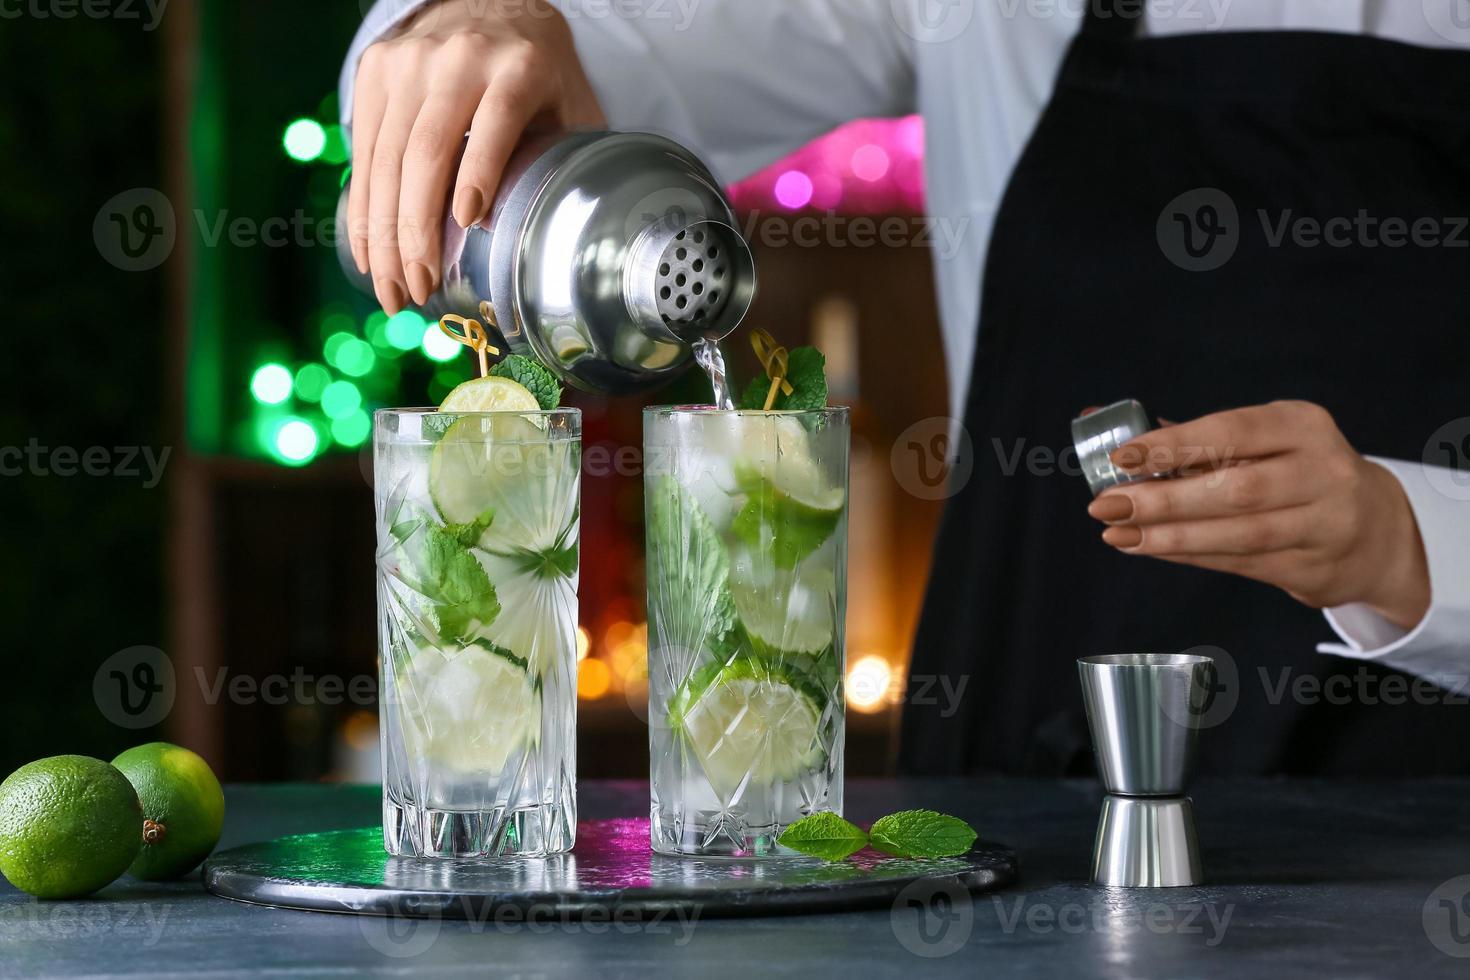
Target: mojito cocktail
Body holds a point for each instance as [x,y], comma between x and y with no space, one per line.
[478,518]
[747,565]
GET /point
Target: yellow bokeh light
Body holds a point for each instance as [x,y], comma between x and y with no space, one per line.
[630,657]
[593,679]
[584,643]
[868,680]
[360,731]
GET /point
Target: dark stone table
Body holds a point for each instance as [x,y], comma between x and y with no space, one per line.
[1327,879]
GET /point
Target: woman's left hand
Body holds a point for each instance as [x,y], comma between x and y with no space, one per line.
[1274,493]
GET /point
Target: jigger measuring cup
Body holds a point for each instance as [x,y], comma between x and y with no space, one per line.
[1142,710]
[1096,436]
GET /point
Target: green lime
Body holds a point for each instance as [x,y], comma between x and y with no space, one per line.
[470,710]
[785,609]
[511,466]
[490,394]
[749,721]
[68,825]
[183,808]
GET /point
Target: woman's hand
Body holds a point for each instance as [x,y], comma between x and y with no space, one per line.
[455,66]
[1274,493]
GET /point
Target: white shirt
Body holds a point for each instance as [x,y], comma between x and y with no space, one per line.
[744,82]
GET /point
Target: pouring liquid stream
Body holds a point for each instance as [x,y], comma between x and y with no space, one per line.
[707,355]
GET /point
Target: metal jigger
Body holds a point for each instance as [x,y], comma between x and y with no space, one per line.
[1096,436]
[1142,709]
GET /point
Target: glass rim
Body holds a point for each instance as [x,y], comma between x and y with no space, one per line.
[712,410]
[568,411]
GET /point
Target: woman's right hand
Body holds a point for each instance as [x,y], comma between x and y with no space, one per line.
[455,66]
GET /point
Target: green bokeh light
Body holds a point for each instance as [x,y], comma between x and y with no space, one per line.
[356,358]
[341,399]
[336,150]
[271,384]
[296,442]
[438,346]
[406,330]
[311,381]
[305,140]
[352,430]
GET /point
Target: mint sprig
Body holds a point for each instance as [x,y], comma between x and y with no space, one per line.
[909,834]
[533,376]
[806,370]
[824,835]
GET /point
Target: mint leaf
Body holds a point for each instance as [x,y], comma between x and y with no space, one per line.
[806,369]
[468,534]
[690,595]
[824,835]
[922,833]
[437,563]
[533,376]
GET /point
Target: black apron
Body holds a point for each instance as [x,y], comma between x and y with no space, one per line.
[1093,293]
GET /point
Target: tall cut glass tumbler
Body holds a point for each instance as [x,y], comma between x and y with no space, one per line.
[478,521]
[747,592]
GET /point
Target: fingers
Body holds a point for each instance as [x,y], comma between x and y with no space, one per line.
[502,116]
[1266,484]
[1224,437]
[389,282]
[1252,534]
[369,104]
[433,146]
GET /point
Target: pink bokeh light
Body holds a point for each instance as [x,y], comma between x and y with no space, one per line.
[793,189]
[871,166]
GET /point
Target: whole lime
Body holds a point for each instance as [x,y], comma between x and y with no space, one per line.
[68,825]
[183,808]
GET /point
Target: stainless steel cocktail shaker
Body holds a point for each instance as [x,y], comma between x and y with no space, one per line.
[607,256]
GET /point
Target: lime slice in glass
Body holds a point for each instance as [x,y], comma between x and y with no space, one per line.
[749,722]
[791,610]
[512,466]
[470,710]
[490,395]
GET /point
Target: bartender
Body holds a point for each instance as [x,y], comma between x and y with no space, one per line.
[1140,183]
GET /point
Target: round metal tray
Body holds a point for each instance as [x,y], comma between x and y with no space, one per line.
[610,874]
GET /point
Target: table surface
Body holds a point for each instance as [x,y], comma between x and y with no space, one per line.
[1306,878]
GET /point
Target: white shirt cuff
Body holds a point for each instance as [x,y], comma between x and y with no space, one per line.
[1438,647]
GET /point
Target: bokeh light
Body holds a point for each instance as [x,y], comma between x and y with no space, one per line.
[311,381]
[352,430]
[584,643]
[305,140]
[439,346]
[870,162]
[271,384]
[341,399]
[296,441]
[594,679]
[869,166]
[793,190]
[868,680]
[405,330]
